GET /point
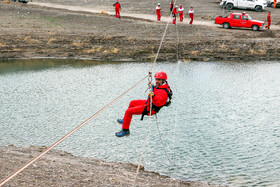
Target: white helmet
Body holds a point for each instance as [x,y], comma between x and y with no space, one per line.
[176,6]
[158,4]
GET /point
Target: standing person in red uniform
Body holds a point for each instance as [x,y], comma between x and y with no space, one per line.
[268,20]
[158,9]
[275,2]
[191,13]
[159,95]
[117,6]
[174,12]
[171,5]
[181,12]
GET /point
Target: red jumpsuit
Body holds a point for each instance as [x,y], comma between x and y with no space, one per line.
[268,21]
[158,12]
[181,13]
[136,107]
[171,6]
[117,9]
[191,13]
[174,12]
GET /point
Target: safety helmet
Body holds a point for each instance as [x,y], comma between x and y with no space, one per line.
[161,75]
[176,6]
[181,5]
[158,4]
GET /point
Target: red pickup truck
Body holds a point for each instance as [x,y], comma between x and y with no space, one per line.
[239,20]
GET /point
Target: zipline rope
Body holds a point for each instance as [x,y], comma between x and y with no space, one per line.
[149,121]
[4,181]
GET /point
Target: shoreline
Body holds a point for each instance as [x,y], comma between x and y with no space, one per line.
[60,168]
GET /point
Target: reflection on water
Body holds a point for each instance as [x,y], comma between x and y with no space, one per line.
[13,66]
[223,125]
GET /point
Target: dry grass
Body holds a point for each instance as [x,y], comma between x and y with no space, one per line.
[104,12]
[78,44]
[93,50]
[235,50]
[51,40]
[258,52]
[2,45]
[194,53]
[115,50]
[30,40]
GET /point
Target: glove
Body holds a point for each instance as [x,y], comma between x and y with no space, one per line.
[151,94]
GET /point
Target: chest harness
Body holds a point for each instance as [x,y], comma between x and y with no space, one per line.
[157,108]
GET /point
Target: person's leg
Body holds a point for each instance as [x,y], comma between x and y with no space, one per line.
[134,103]
[136,107]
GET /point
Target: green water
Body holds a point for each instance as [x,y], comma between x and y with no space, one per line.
[223,126]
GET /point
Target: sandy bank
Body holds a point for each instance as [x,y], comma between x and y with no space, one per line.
[59,168]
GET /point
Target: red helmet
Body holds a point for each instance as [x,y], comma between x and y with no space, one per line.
[161,75]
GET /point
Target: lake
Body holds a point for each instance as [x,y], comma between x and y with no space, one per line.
[222,127]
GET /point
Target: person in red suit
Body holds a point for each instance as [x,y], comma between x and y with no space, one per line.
[158,96]
[117,6]
[191,14]
[181,13]
[174,13]
[171,5]
[158,9]
[268,20]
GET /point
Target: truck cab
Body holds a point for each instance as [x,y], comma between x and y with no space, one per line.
[258,5]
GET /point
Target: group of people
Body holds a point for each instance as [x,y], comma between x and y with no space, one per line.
[175,11]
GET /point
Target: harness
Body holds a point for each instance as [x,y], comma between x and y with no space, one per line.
[157,108]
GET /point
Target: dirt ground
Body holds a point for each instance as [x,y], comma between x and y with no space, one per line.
[31,31]
[59,168]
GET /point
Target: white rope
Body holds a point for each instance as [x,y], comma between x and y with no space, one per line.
[160,45]
[145,142]
[4,181]
[149,121]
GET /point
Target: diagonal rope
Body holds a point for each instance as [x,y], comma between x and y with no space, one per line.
[4,181]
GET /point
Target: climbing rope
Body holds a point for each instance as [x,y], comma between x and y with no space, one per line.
[147,133]
[149,121]
[4,181]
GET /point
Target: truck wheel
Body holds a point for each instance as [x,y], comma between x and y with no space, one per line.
[255,27]
[258,8]
[226,25]
[229,6]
